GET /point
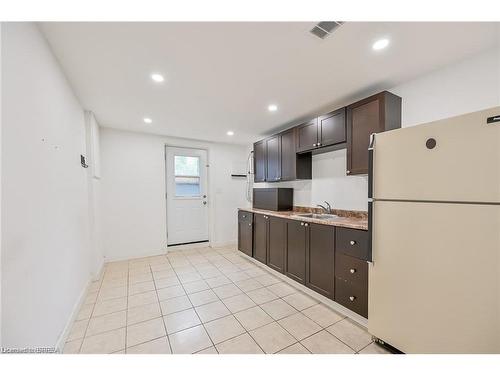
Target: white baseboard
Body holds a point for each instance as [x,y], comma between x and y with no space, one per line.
[332,304]
[128,257]
[76,309]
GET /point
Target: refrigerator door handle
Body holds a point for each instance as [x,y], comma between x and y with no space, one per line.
[370,195]
[370,230]
[370,165]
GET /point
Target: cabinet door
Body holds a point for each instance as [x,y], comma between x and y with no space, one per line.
[375,114]
[260,237]
[276,244]
[332,128]
[307,136]
[295,259]
[288,155]
[273,168]
[260,161]
[245,232]
[320,258]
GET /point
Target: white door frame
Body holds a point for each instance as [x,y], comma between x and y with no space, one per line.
[209,192]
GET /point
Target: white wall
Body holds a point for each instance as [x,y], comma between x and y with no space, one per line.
[46,252]
[467,86]
[133,192]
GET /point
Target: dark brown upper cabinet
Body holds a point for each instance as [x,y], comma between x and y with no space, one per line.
[260,161]
[332,128]
[273,166]
[374,114]
[307,136]
[320,258]
[326,130]
[294,166]
[276,159]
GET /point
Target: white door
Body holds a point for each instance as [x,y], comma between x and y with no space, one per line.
[187,203]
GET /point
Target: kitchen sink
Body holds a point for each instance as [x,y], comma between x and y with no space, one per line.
[318,216]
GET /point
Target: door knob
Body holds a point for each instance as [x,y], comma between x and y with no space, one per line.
[204,202]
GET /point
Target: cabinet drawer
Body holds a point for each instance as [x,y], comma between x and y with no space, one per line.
[351,269]
[245,216]
[353,242]
[353,297]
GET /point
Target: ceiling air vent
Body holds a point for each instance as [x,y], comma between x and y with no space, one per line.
[325,28]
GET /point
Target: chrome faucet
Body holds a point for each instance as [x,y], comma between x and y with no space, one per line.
[327,209]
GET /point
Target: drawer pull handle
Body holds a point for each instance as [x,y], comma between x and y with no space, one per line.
[352,242]
[250,224]
[306,224]
[302,224]
[352,270]
[244,216]
[352,298]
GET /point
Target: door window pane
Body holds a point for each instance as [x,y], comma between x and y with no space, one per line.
[187,176]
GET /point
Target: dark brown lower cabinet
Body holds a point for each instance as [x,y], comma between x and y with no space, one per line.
[260,229]
[320,259]
[296,243]
[351,283]
[245,232]
[276,243]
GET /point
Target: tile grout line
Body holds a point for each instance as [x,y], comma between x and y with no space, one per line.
[92,313]
[126,305]
[232,282]
[159,306]
[196,312]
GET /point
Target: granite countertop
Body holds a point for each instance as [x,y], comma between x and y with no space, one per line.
[346,219]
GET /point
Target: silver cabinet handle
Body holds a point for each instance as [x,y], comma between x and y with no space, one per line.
[302,224]
[244,216]
[352,243]
[249,224]
[314,144]
[306,224]
[319,144]
[352,270]
[348,171]
[352,298]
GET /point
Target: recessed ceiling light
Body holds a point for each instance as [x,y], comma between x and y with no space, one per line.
[157,77]
[147,120]
[230,132]
[380,44]
[272,107]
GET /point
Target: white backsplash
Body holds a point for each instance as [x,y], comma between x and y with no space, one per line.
[329,183]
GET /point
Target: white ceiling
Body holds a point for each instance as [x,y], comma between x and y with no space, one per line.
[222,76]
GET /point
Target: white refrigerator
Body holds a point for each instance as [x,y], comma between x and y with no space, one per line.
[434,218]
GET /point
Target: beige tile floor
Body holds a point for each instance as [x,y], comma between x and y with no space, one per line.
[206,300]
